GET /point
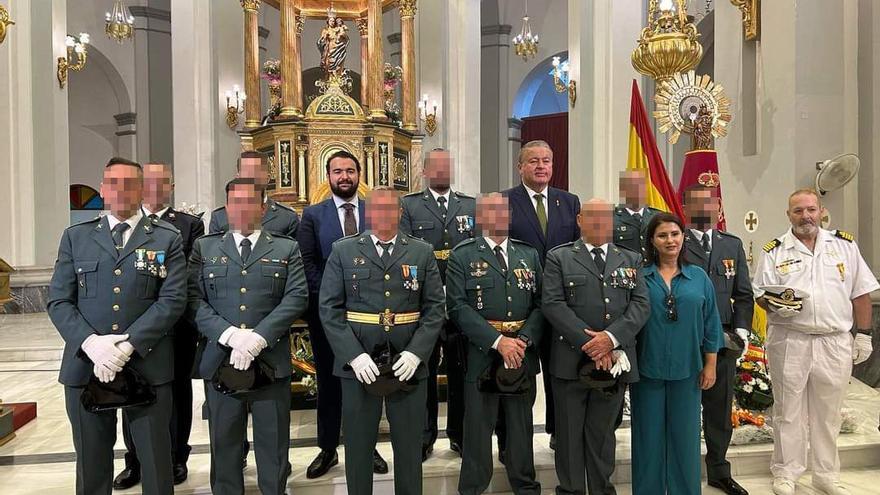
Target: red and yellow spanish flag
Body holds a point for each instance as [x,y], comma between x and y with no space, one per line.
[644,155]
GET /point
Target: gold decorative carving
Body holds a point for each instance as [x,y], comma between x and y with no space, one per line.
[251,5]
[362,26]
[407,8]
[668,44]
[679,102]
[751,17]
[4,23]
[300,24]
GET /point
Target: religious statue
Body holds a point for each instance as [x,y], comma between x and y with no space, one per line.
[702,122]
[333,44]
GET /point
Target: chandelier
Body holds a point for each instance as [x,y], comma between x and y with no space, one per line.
[119,23]
[668,44]
[525,43]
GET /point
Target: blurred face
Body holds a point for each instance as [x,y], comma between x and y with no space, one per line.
[493,215]
[438,170]
[158,184]
[122,190]
[256,169]
[344,177]
[667,240]
[383,213]
[701,208]
[536,167]
[804,212]
[596,221]
[244,208]
[633,188]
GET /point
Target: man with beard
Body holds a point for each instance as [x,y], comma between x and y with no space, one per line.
[278,218]
[158,186]
[322,225]
[631,216]
[722,257]
[814,284]
[443,218]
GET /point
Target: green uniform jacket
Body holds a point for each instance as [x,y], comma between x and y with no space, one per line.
[421,218]
[477,290]
[577,297]
[267,294]
[630,233]
[356,279]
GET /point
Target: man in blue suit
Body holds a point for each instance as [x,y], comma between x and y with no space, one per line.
[544,217]
[322,224]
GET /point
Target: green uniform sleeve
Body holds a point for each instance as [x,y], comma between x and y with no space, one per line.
[432,308]
[474,326]
[561,316]
[293,304]
[345,344]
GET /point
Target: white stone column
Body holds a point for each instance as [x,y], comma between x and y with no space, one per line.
[869,132]
[460,105]
[601,36]
[807,110]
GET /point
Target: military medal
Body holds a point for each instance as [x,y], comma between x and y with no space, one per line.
[140,264]
[841,269]
[223,259]
[729,269]
[414,271]
[357,260]
[151,260]
[465,223]
[479,298]
[478,268]
[160,257]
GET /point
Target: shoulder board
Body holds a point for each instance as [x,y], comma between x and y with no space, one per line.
[280,236]
[770,246]
[846,236]
[219,208]
[413,194]
[165,225]
[463,195]
[215,234]
[465,242]
[86,222]
[284,206]
[655,210]
[724,233]
[561,246]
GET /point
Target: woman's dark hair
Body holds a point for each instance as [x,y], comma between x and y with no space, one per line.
[651,252]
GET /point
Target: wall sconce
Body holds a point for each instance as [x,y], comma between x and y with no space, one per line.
[560,76]
[4,23]
[428,117]
[77,49]
[234,105]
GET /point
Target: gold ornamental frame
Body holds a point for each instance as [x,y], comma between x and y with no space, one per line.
[751,18]
[685,91]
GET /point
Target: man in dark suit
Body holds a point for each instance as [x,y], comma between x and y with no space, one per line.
[722,257]
[631,216]
[443,218]
[118,288]
[543,217]
[278,218]
[158,186]
[246,287]
[323,224]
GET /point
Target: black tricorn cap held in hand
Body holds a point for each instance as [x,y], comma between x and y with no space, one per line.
[128,389]
[386,383]
[496,379]
[230,381]
[595,378]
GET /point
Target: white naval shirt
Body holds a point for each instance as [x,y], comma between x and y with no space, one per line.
[833,275]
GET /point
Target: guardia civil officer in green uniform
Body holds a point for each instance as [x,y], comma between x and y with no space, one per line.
[118,288]
[631,217]
[381,305]
[443,218]
[494,297]
[277,218]
[596,302]
[246,288]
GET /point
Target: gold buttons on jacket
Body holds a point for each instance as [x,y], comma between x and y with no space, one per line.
[117,290]
[242,307]
[117,272]
[244,272]
[210,275]
[115,307]
[607,300]
[387,293]
[509,298]
[243,290]
[242,326]
[387,277]
[277,275]
[114,327]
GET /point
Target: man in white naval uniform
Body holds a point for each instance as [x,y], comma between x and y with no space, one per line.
[811,349]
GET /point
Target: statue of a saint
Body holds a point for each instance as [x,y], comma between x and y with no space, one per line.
[702,129]
[333,44]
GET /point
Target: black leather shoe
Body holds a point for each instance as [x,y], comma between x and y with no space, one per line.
[455,447]
[289,470]
[326,459]
[180,473]
[127,478]
[553,442]
[502,456]
[728,486]
[379,464]
[426,451]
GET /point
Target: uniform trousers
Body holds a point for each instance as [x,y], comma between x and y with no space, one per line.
[717,405]
[361,413]
[94,435]
[329,389]
[809,375]
[481,413]
[666,436]
[227,428]
[453,354]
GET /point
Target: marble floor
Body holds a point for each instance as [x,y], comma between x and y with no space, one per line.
[41,460]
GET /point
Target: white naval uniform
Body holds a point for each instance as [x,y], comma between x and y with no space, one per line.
[810,353]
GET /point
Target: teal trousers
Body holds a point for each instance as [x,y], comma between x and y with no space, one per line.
[666,436]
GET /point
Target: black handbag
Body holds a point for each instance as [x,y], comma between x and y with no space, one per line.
[128,389]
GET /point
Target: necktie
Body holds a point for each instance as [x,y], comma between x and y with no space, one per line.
[637,217]
[597,258]
[706,247]
[500,255]
[118,232]
[541,211]
[386,251]
[245,249]
[349,226]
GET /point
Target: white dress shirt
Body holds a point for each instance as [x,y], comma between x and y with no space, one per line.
[437,196]
[698,235]
[640,211]
[543,193]
[159,213]
[339,202]
[238,237]
[604,248]
[132,222]
[503,245]
[379,249]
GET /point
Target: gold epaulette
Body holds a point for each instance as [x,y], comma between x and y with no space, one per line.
[846,236]
[770,246]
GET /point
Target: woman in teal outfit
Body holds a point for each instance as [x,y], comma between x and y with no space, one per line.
[676,355]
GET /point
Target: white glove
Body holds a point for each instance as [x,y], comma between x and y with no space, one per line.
[102,350]
[785,312]
[744,335]
[126,347]
[406,365]
[862,348]
[365,369]
[248,341]
[240,360]
[103,374]
[621,363]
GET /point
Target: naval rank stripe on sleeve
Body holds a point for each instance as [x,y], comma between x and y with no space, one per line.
[770,246]
[846,236]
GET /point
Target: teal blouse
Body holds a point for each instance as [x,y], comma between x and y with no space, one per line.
[673,350]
